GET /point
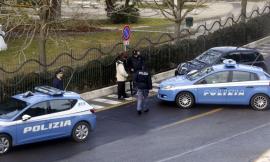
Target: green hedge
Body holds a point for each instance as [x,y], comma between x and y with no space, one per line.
[125,15]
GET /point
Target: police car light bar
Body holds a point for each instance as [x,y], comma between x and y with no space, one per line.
[49,90]
[28,94]
[229,63]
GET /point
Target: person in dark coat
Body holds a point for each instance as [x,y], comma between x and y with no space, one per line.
[144,84]
[135,63]
[58,80]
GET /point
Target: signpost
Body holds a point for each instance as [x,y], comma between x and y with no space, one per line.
[126,35]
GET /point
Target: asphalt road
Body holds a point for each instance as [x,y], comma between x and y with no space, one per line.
[204,133]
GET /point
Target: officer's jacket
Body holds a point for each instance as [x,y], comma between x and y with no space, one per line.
[136,63]
[143,80]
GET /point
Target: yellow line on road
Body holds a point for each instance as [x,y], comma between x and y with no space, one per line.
[190,118]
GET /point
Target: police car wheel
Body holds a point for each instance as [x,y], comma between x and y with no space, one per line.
[80,132]
[185,100]
[260,102]
[5,143]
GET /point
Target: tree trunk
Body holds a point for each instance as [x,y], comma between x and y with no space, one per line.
[56,9]
[177,28]
[127,3]
[42,48]
[177,22]
[44,16]
[243,10]
[109,7]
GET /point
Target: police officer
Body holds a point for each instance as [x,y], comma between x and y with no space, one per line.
[144,84]
[58,80]
[135,63]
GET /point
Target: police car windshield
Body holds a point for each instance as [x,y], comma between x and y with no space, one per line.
[209,56]
[198,74]
[11,108]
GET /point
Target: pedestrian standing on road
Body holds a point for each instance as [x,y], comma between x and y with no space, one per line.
[144,84]
[121,76]
[58,80]
[135,63]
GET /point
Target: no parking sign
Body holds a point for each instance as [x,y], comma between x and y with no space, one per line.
[126,35]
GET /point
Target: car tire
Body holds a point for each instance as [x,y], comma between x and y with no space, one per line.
[260,102]
[5,143]
[175,73]
[80,132]
[185,100]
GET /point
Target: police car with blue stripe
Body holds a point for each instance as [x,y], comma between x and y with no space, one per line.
[227,83]
[45,114]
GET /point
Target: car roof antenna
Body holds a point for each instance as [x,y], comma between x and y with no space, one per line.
[255,59]
[69,79]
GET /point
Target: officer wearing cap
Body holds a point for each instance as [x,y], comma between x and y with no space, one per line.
[135,63]
[58,80]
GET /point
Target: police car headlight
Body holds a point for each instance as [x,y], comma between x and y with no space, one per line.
[168,87]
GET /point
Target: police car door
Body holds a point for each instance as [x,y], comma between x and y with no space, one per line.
[211,89]
[60,119]
[240,87]
[33,128]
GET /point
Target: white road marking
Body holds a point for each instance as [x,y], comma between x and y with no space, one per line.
[107,101]
[97,106]
[129,98]
[214,143]
[113,96]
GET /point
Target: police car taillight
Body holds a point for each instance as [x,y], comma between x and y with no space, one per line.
[93,111]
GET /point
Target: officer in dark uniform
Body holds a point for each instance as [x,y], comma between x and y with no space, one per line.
[58,80]
[144,84]
[135,63]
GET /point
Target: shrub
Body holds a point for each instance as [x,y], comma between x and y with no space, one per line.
[125,15]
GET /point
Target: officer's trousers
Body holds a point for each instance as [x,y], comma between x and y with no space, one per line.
[142,95]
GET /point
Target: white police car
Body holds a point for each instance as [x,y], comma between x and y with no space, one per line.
[227,83]
[46,114]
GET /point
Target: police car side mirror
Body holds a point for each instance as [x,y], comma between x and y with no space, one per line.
[26,117]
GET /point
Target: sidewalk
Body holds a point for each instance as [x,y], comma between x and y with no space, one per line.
[106,98]
[214,9]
